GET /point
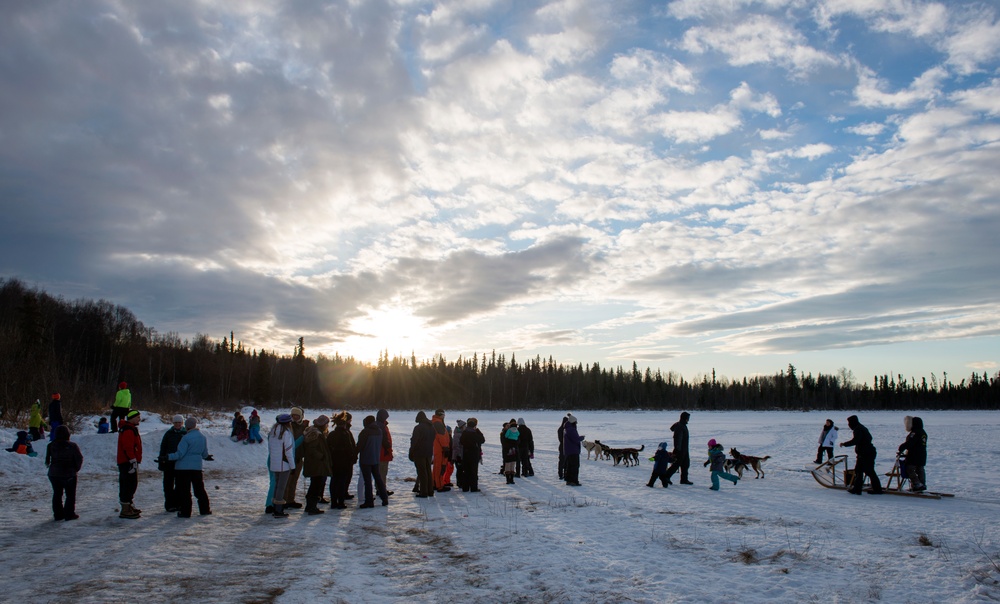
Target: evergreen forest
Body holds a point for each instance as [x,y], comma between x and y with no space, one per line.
[83,349]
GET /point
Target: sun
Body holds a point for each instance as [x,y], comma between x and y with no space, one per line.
[394,329]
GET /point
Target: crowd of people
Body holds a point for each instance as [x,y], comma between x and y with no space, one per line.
[325,452]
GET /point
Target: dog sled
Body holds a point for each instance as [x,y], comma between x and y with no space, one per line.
[831,475]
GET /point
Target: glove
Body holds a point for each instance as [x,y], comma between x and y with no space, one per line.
[209,458]
[531,456]
[159,460]
[133,466]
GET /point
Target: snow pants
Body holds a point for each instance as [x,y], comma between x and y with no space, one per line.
[717,474]
[186,481]
[60,487]
[127,483]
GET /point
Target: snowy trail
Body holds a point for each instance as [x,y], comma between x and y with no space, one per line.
[781,538]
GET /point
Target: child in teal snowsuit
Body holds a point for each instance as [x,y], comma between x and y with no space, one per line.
[717,458]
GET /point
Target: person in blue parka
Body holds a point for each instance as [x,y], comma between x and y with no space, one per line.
[191,451]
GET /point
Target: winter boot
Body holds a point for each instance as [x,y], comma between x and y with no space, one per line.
[279,511]
[128,511]
[510,479]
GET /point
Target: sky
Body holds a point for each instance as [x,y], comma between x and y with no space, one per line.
[692,185]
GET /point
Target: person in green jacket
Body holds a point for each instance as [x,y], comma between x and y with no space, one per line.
[123,403]
[36,424]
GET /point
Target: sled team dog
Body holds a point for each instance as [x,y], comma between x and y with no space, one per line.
[629,455]
[593,447]
[748,461]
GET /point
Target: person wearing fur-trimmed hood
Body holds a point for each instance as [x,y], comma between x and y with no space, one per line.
[317,462]
[827,441]
[343,456]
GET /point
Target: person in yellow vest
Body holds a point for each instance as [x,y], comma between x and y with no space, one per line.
[123,403]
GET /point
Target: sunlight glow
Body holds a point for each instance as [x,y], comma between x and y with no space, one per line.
[393,329]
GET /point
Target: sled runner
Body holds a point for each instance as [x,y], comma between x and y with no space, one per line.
[831,476]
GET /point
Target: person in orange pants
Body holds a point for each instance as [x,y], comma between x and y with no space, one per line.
[442,452]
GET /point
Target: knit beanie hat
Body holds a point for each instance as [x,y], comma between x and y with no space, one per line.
[131,414]
[191,423]
[284,418]
[712,443]
[178,419]
[122,385]
[570,418]
[321,421]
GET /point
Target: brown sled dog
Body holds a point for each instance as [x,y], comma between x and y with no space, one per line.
[748,461]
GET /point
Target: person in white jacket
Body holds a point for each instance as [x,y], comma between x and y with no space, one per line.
[281,452]
[827,440]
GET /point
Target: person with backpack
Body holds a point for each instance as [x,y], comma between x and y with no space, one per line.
[64,460]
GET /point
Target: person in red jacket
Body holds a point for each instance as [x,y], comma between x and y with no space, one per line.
[442,452]
[129,458]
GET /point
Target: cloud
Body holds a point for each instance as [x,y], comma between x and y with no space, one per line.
[759,39]
[926,87]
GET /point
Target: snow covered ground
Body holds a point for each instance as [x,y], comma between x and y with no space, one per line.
[782,538]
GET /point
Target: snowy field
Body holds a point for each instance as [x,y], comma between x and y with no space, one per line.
[783,538]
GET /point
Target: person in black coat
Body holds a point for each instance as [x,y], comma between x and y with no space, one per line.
[560,434]
[421,453]
[64,461]
[525,449]
[913,454]
[472,454]
[865,462]
[682,457]
[168,445]
[343,456]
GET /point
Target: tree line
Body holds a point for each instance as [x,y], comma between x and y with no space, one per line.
[83,349]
